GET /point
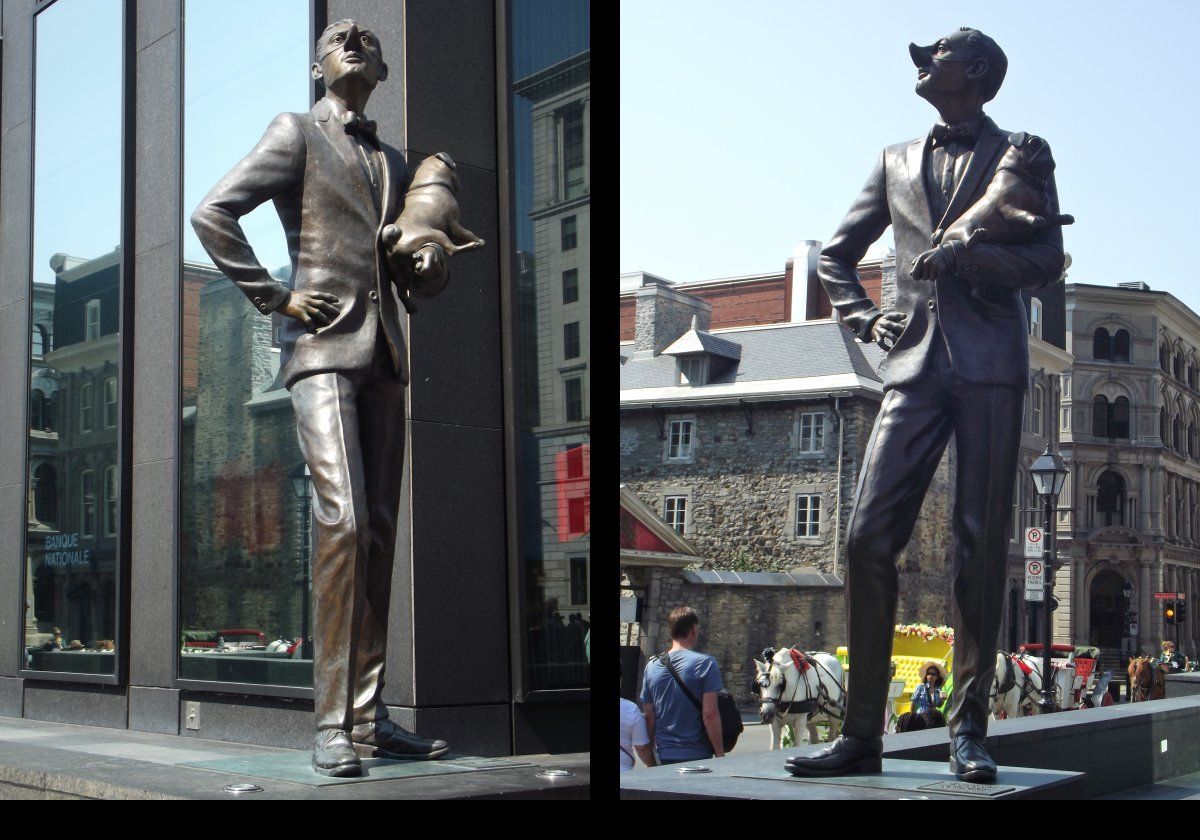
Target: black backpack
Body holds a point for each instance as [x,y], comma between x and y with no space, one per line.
[731,718]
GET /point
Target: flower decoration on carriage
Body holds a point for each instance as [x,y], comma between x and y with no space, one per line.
[927,632]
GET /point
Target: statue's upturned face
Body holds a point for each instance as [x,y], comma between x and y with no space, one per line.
[345,50]
[942,67]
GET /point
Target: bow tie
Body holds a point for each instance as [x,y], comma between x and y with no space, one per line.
[943,134]
[356,124]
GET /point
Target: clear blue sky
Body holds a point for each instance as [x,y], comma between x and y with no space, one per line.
[78,129]
[748,127]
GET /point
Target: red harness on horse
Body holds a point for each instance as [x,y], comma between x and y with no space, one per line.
[1023,665]
[799,660]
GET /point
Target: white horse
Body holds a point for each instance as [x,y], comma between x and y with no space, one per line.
[1015,693]
[797,686]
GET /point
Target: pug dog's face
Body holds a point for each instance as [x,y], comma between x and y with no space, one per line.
[451,169]
[1036,158]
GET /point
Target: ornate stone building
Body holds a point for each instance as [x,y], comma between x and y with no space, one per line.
[1130,422]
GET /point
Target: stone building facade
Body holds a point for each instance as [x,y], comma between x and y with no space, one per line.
[1131,428]
[751,451]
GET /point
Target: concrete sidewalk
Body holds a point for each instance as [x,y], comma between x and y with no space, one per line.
[44,760]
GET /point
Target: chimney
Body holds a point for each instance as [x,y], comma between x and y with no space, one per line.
[804,274]
[664,314]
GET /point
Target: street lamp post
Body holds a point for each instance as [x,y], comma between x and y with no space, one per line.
[1049,475]
[302,487]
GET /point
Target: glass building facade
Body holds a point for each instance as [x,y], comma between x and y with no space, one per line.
[160,498]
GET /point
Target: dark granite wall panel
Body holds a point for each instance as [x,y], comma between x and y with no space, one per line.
[157,209]
[16,190]
[251,720]
[154,710]
[86,705]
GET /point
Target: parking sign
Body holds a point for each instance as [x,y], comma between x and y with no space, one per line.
[1035,580]
[1033,542]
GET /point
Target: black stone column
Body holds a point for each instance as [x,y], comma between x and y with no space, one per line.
[448,655]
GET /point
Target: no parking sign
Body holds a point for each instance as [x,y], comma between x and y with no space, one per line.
[1035,580]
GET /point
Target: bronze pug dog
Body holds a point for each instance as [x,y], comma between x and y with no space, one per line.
[430,214]
[1014,205]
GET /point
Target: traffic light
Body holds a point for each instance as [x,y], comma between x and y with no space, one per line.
[1180,612]
[1170,612]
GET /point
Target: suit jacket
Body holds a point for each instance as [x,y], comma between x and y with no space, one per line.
[311,168]
[986,344]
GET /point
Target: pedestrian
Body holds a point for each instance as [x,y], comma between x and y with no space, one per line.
[1171,658]
[634,737]
[679,696]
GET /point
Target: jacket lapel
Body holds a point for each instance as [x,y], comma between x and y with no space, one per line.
[345,148]
[914,159]
[987,146]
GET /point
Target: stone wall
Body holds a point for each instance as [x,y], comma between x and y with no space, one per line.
[741,499]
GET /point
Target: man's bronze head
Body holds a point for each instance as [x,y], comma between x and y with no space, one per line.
[347,51]
[964,61]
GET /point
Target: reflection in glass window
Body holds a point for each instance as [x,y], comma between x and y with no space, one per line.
[110,403]
[571,285]
[110,501]
[550,142]
[87,503]
[244,497]
[71,567]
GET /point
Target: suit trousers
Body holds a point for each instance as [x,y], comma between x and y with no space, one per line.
[910,434]
[351,430]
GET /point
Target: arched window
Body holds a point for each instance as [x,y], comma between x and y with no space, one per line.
[1177,434]
[1191,439]
[1110,420]
[1164,357]
[1110,498]
[39,341]
[1100,416]
[1120,346]
[1100,344]
[37,410]
[1177,367]
[45,494]
[1162,425]
[1118,426]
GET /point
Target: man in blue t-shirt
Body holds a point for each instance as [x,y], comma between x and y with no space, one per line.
[679,730]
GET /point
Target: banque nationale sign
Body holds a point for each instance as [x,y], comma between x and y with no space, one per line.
[64,550]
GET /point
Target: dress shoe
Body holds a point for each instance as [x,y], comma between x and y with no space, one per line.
[970,762]
[843,757]
[384,739]
[334,755]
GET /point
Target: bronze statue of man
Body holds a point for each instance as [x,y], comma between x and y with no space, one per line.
[335,187]
[957,364]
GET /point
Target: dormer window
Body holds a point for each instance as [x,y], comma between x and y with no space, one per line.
[693,370]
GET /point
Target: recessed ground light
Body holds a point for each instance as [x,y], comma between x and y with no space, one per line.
[242,788]
[698,769]
[555,774]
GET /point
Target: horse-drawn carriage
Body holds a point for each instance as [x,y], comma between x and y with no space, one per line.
[1077,683]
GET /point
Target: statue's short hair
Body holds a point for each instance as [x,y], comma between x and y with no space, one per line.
[997,61]
[681,621]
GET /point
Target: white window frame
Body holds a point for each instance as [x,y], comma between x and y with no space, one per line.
[86,417]
[810,524]
[87,503]
[807,492]
[92,320]
[1037,410]
[110,405]
[680,456]
[671,511]
[817,429]
[111,497]
[693,370]
[1035,317]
